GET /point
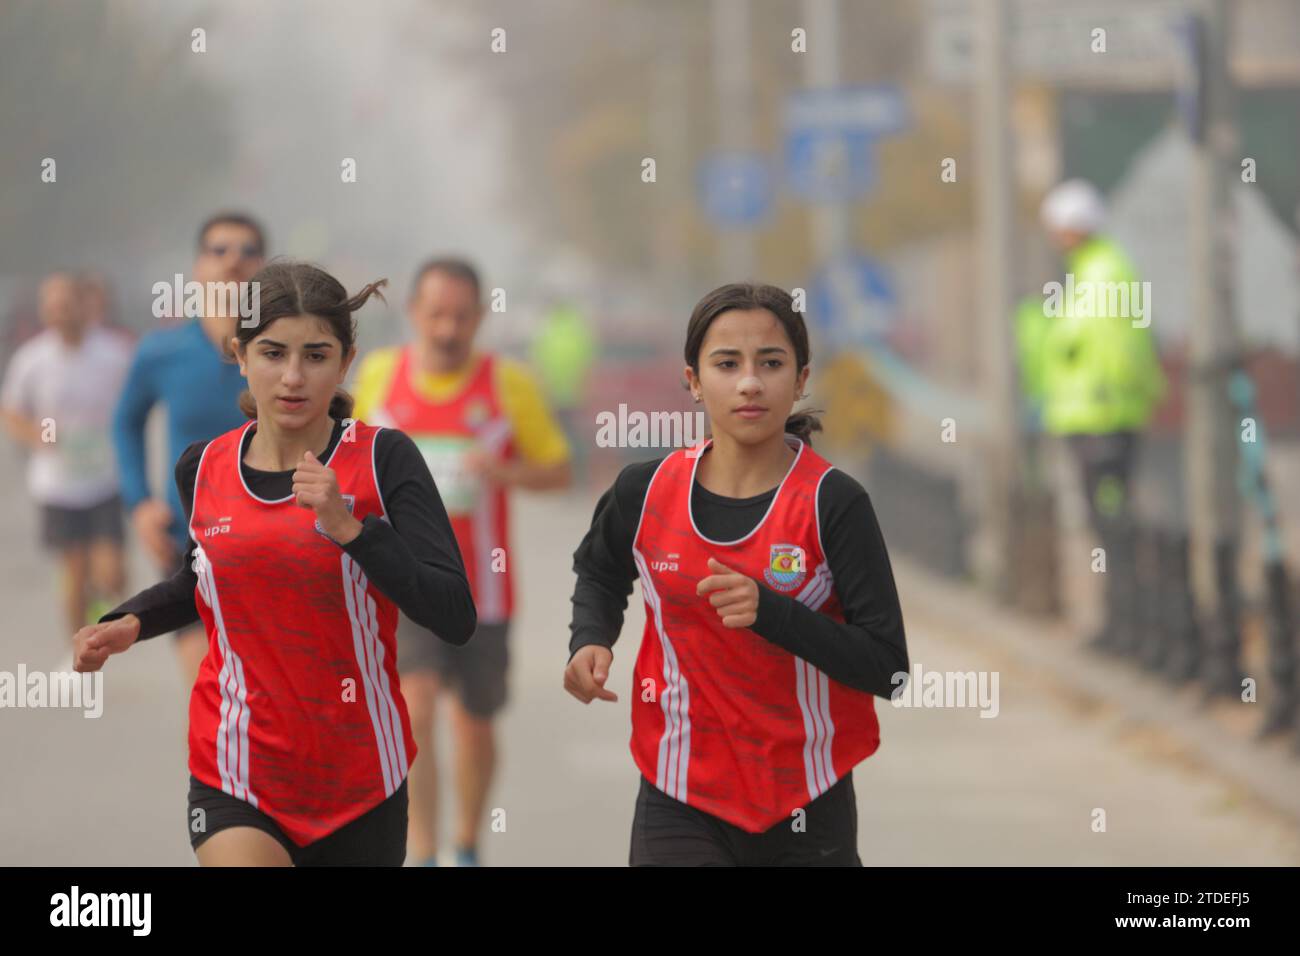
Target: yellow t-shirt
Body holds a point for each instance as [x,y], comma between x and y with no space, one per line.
[537,437]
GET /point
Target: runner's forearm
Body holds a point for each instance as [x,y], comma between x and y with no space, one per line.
[435,596]
[598,610]
[128,435]
[167,606]
[23,429]
[846,653]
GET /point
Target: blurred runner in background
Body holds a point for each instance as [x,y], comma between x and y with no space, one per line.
[562,353]
[484,428]
[57,398]
[100,309]
[190,370]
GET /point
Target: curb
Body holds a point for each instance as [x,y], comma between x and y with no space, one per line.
[1268,769]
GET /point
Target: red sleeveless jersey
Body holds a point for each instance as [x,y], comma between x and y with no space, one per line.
[297,708]
[445,432]
[738,727]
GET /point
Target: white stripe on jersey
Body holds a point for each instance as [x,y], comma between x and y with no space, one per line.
[675,699]
[820,581]
[232,731]
[812,688]
[369,651]
[491,597]
[387,702]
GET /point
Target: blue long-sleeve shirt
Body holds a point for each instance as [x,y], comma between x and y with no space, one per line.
[181,368]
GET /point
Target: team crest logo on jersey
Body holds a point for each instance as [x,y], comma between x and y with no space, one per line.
[787,567]
[350,501]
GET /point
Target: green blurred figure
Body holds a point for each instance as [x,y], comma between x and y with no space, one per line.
[562,354]
[1089,367]
[1031,323]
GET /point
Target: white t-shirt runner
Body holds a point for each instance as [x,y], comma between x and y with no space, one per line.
[76,388]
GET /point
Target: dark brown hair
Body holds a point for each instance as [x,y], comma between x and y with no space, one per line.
[287,288]
[456,268]
[745,296]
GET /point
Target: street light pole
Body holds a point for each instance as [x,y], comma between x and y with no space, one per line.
[735,95]
[1211,431]
[1000,472]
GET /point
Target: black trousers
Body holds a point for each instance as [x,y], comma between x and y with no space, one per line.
[1106,463]
[667,832]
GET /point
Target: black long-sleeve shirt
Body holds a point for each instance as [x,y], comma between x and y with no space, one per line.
[412,558]
[864,652]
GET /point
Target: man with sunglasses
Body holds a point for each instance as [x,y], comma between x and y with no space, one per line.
[188,368]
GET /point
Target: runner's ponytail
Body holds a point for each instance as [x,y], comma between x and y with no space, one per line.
[802,424]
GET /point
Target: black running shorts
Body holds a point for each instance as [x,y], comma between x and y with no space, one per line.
[667,832]
[376,838]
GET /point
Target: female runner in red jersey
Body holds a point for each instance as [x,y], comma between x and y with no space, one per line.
[771,613]
[308,532]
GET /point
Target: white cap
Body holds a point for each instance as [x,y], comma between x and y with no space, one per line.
[1075,205]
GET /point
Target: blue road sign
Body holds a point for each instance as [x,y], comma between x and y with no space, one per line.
[735,188]
[824,166]
[852,302]
[830,139]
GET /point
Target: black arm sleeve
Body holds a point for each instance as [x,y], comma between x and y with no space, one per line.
[603,561]
[869,647]
[415,560]
[169,605]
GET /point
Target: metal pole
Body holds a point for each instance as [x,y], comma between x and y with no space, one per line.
[734,85]
[1211,431]
[831,222]
[1000,469]
[670,115]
